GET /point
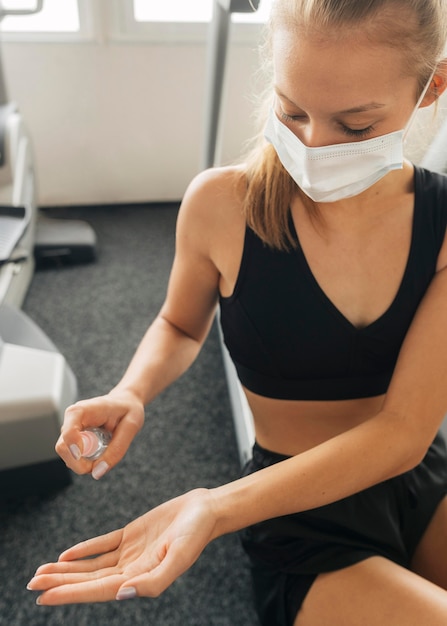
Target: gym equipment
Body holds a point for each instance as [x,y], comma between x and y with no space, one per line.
[36,383]
[61,242]
[36,386]
[217,53]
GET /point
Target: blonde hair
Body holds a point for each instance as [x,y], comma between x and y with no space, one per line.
[417,27]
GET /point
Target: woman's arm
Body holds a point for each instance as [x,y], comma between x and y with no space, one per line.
[145,557]
[170,345]
[388,444]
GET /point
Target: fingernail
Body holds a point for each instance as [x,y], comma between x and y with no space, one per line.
[99,470]
[29,587]
[38,600]
[127,593]
[75,452]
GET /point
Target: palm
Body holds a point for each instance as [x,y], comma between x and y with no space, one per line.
[147,554]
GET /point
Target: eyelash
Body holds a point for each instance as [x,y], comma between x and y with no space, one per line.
[351,132]
[362,132]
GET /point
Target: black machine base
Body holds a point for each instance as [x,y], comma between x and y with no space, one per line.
[63,242]
[38,479]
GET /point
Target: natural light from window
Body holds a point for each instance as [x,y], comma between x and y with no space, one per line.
[196,11]
[56,16]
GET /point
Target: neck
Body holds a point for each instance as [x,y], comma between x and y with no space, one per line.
[392,186]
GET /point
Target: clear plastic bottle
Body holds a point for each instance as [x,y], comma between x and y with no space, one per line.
[94,442]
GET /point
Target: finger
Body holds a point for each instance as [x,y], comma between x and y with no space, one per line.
[103,411]
[93,413]
[69,445]
[46,581]
[71,455]
[82,565]
[120,418]
[101,590]
[92,547]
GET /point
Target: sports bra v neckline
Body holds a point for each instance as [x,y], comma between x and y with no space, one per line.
[301,257]
[288,341]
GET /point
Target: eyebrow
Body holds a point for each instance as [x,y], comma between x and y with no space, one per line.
[365,107]
[358,109]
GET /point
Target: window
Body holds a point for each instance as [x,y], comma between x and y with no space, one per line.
[56,16]
[58,20]
[172,21]
[197,11]
[160,21]
[172,11]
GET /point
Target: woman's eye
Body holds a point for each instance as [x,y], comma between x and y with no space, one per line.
[351,132]
[290,118]
[361,132]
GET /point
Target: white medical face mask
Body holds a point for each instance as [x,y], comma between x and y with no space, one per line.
[339,171]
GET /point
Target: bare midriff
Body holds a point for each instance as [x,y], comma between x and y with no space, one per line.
[290,426]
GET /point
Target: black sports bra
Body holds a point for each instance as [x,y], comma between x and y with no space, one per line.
[286,338]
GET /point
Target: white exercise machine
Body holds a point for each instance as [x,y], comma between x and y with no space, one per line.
[36,382]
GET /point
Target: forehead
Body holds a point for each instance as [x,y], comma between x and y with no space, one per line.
[343,70]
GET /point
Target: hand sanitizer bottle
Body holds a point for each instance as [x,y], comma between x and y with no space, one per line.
[94,442]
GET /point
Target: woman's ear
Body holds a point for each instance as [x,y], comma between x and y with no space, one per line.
[438,84]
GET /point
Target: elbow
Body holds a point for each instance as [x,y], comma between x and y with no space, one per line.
[422,450]
[414,459]
[413,451]
[408,443]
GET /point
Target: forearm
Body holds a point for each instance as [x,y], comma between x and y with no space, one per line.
[163,355]
[375,451]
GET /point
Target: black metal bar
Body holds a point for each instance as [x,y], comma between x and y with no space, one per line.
[217,56]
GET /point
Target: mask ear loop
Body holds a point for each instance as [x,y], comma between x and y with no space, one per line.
[418,104]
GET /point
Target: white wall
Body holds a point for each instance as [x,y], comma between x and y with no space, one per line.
[115,122]
[123,122]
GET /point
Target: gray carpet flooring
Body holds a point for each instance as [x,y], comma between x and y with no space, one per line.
[96,314]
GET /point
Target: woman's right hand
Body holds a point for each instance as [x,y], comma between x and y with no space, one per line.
[119,412]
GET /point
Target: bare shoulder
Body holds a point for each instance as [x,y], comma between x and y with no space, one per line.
[211,225]
[215,194]
[209,241]
[211,221]
[223,179]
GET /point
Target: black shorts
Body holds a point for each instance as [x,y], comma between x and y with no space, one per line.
[287,553]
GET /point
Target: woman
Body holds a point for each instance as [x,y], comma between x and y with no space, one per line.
[329,256]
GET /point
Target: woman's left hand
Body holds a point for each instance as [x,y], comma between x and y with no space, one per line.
[141,559]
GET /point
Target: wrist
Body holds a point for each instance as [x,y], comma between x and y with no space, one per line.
[231,507]
[128,392]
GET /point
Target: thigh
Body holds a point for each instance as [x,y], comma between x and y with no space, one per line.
[430,557]
[374,592]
